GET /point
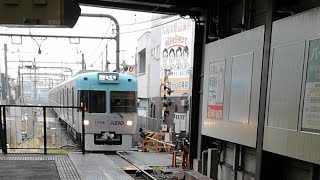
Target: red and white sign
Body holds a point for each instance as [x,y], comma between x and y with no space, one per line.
[215,89]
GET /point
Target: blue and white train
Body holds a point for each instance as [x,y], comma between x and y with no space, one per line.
[110,106]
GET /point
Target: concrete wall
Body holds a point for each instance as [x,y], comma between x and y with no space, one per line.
[142,78]
[154,61]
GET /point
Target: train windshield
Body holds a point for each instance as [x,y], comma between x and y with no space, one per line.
[93,101]
[123,101]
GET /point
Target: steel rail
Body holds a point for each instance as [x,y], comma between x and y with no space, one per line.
[145,173]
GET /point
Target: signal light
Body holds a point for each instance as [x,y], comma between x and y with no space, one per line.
[169,91]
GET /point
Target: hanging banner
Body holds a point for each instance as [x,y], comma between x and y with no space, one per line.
[215,89]
[177,52]
[311,109]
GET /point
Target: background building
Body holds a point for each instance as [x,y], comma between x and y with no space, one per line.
[169,34]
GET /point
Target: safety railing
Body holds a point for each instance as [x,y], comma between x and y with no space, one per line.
[37,129]
[149,123]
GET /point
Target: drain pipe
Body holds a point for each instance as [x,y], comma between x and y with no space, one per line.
[204,162]
[117,37]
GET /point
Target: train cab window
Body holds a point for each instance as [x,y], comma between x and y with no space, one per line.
[97,103]
[84,98]
[123,101]
[93,101]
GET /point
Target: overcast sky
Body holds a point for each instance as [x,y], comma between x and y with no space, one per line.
[60,50]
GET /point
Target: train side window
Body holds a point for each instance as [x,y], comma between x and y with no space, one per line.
[84,98]
[123,101]
[97,103]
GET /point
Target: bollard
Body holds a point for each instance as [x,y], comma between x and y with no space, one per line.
[174,159]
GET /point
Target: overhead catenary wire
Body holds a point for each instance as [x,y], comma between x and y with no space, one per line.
[142,22]
[164,2]
[139,31]
[100,54]
[90,56]
[128,32]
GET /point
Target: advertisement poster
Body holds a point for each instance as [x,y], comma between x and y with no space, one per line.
[215,89]
[311,109]
[177,53]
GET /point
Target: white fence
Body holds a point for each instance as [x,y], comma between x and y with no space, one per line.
[148,123]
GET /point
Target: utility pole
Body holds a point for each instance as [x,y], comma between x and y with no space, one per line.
[6,74]
[83,63]
[107,62]
[22,90]
[35,80]
[102,61]
[136,65]
[19,84]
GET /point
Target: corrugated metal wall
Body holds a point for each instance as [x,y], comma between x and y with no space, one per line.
[229,153]
[249,159]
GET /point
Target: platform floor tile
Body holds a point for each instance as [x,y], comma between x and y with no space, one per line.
[97,167]
[33,166]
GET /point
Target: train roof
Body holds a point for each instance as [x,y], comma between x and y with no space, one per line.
[94,75]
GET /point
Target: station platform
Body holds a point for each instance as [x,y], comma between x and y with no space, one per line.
[76,166]
[36,167]
[97,166]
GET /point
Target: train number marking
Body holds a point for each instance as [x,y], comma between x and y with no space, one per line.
[116,122]
[99,122]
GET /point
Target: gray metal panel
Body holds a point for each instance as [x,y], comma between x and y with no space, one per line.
[243,43]
[295,143]
[240,88]
[284,96]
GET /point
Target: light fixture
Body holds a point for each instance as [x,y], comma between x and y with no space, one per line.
[129,123]
[86,122]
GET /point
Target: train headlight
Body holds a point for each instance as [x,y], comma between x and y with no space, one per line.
[86,122]
[129,123]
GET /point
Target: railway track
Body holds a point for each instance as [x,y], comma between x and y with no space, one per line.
[141,173]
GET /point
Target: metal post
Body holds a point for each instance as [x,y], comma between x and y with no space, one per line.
[45,129]
[5,149]
[195,124]
[83,131]
[101,61]
[1,130]
[22,90]
[174,159]
[263,88]
[19,84]
[83,66]
[35,80]
[117,37]
[6,72]
[107,63]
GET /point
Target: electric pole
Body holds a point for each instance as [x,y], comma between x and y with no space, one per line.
[102,61]
[35,79]
[107,62]
[83,63]
[19,85]
[6,84]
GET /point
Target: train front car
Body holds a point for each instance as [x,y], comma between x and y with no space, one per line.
[110,104]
